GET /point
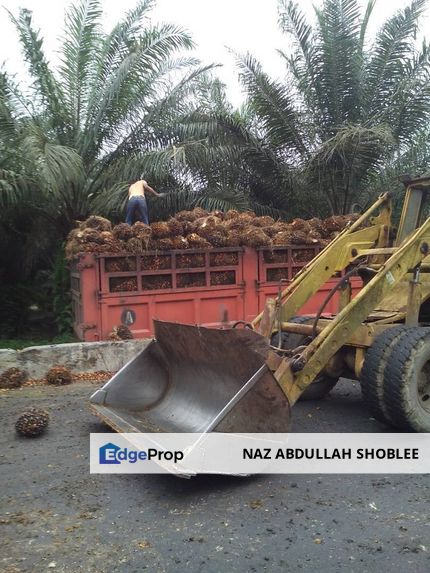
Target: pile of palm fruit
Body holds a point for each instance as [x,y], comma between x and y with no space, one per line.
[199,229]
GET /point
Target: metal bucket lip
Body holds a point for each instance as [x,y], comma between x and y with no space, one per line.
[248,339]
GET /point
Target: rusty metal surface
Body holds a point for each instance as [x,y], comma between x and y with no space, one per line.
[192,379]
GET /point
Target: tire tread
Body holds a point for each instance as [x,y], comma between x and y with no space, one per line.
[396,376]
[372,373]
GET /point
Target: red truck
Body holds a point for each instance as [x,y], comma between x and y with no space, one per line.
[212,288]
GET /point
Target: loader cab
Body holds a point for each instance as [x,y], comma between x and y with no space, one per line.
[415,207]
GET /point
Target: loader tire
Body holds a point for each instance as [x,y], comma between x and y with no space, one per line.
[323,383]
[372,373]
[407,381]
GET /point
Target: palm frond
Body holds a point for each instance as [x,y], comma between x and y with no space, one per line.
[338,76]
[292,21]
[8,126]
[343,163]
[115,45]
[407,108]
[55,166]
[365,22]
[126,85]
[393,45]
[45,83]
[79,50]
[274,104]
[14,187]
[223,199]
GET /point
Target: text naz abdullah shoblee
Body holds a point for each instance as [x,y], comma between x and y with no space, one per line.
[330,453]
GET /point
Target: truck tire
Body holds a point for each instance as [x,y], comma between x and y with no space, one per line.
[323,383]
[407,381]
[372,373]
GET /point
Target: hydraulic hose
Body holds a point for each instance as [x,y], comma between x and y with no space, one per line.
[342,281]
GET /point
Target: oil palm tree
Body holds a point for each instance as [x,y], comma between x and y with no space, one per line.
[221,154]
[313,142]
[84,128]
[362,101]
[73,138]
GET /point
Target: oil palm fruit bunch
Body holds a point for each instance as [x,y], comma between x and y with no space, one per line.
[12,378]
[59,376]
[180,243]
[165,244]
[184,216]
[176,228]
[264,221]
[197,242]
[300,225]
[256,237]
[199,229]
[282,239]
[32,422]
[122,332]
[136,245]
[217,239]
[141,230]
[98,223]
[90,235]
[160,230]
[231,214]
[198,212]
[123,231]
[233,239]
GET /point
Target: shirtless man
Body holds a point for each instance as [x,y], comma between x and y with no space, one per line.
[137,201]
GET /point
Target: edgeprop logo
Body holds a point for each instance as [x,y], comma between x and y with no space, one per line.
[112,454]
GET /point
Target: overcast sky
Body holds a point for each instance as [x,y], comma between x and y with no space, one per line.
[215,25]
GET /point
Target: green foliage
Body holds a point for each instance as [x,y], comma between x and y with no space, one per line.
[35,340]
[98,120]
[41,303]
[348,109]
[61,297]
[414,161]
[71,141]
[362,104]
[14,309]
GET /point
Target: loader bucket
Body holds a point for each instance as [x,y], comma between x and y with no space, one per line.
[194,379]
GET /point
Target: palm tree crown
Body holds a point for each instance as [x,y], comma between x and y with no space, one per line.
[312,143]
[85,127]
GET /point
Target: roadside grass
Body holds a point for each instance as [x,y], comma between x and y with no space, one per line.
[34,340]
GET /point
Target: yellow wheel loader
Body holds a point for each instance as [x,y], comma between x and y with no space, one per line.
[193,379]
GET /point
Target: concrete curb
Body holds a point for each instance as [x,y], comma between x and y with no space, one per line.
[78,356]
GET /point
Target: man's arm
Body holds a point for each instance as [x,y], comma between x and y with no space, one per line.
[149,189]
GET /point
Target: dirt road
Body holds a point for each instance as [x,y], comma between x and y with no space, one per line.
[57,517]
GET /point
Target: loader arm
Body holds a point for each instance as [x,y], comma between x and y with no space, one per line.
[295,375]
